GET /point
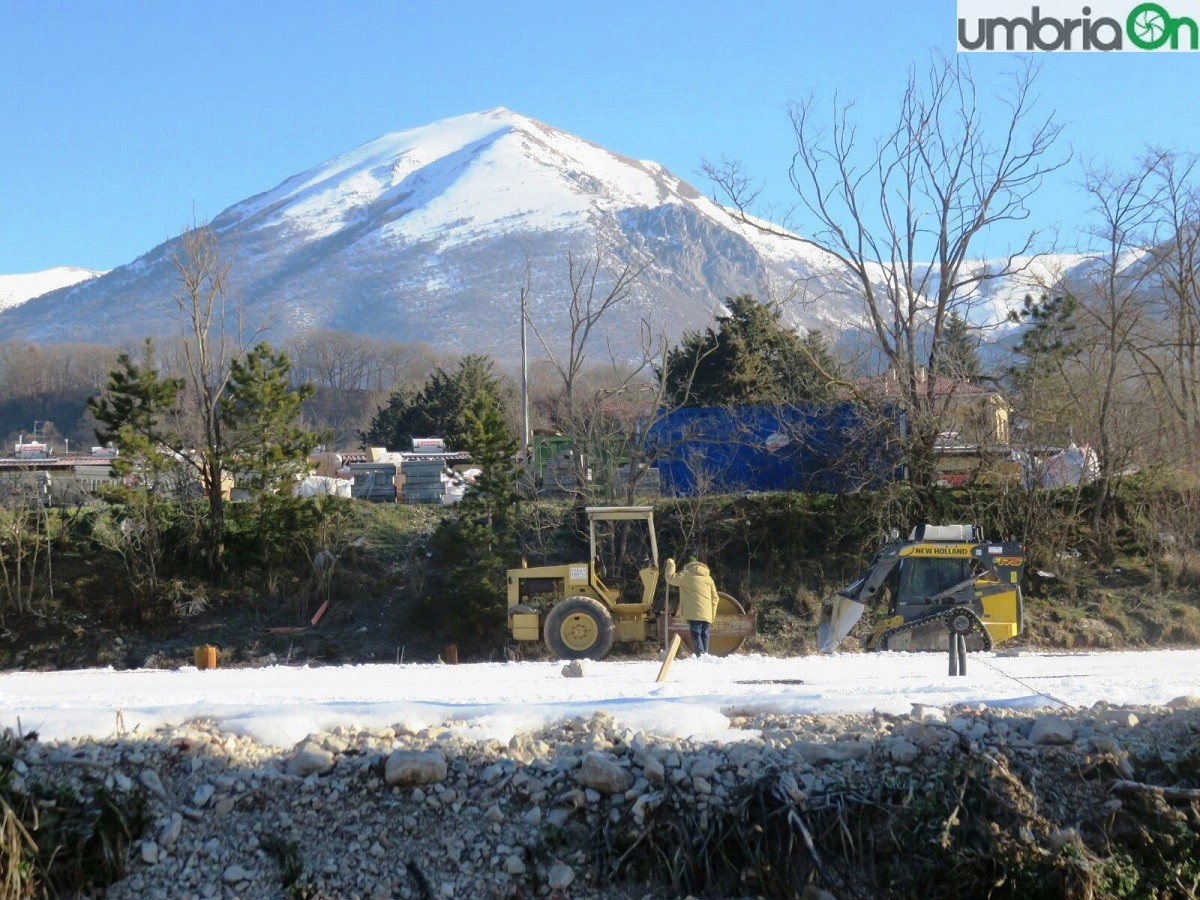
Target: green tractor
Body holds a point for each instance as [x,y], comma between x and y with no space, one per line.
[581,609]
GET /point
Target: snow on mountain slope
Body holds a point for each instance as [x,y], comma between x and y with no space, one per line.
[1033,276]
[479,175]
[425,235]
[16,289]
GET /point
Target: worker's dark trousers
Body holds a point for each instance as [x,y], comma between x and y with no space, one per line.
[699,636]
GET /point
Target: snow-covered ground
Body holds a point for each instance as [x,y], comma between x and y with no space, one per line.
[280,705]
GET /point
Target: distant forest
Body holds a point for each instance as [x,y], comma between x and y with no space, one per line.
[44,389]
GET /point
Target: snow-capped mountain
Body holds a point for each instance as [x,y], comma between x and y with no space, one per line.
[424,235]
[17,289]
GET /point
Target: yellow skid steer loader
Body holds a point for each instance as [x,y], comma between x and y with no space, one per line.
[944,580]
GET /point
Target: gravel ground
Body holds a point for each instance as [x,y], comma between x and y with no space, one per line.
[390,812]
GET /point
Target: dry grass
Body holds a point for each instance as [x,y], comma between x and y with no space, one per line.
[970,824]
[55,843]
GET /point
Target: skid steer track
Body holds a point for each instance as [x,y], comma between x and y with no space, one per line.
[957,620]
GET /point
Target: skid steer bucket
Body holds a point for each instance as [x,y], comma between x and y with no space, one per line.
[838,616]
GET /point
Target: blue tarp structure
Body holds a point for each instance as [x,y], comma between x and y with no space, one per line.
[825,448]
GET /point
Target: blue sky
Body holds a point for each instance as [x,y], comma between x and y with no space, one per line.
[121,121]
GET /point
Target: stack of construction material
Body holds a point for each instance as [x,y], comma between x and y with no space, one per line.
[648,484]
[560,474]
[423,482]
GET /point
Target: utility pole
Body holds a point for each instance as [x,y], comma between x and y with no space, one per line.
[524,372]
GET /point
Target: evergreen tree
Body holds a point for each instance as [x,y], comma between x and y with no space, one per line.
[438,409]
[958,356]
[133,413]
[750,358]
[267,448]
[260,440]
[493,449]
[262,411]
[474,549]
[1044,405]
[1048,338]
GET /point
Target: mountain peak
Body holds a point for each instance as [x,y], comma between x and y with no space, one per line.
[425,234]
[457,177]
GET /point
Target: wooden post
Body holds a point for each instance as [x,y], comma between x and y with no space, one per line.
[452,654]
[953,642]
[670,658]
[962,654]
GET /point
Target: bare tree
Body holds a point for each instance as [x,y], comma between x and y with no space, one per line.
[28,369]
[1167,346]
[1111,297]
[904,216]
[213,335]
[26,571]
[596,286]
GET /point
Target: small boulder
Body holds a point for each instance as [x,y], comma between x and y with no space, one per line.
[1117,718]
[1051,730]
[901,752]
[149,852]
[601,772]
[310,759]
[170,829]
[653,767]
[494,814]
[923,713]
[514,865]
[150,780]
[235,874]
[203,794]
[406,768]
[574,669]
[560,877]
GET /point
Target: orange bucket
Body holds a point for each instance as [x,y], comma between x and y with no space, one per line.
[206,657]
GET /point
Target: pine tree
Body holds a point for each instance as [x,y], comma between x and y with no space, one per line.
[958,356]
[474,549]
[267,444]
[132,414]
[438,409]
[1048,338]
[751,358]
[1045,354]
[267,448]
[493,449]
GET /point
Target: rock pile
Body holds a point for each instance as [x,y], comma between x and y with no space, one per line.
[433,813]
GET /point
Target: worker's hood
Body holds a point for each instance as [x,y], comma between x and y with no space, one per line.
[697,568]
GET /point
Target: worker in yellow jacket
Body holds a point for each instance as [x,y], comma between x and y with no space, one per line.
[697,599]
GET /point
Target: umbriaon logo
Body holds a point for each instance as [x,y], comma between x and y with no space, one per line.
[1137,27]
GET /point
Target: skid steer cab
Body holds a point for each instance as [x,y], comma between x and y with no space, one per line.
[944,580]
[581,609]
